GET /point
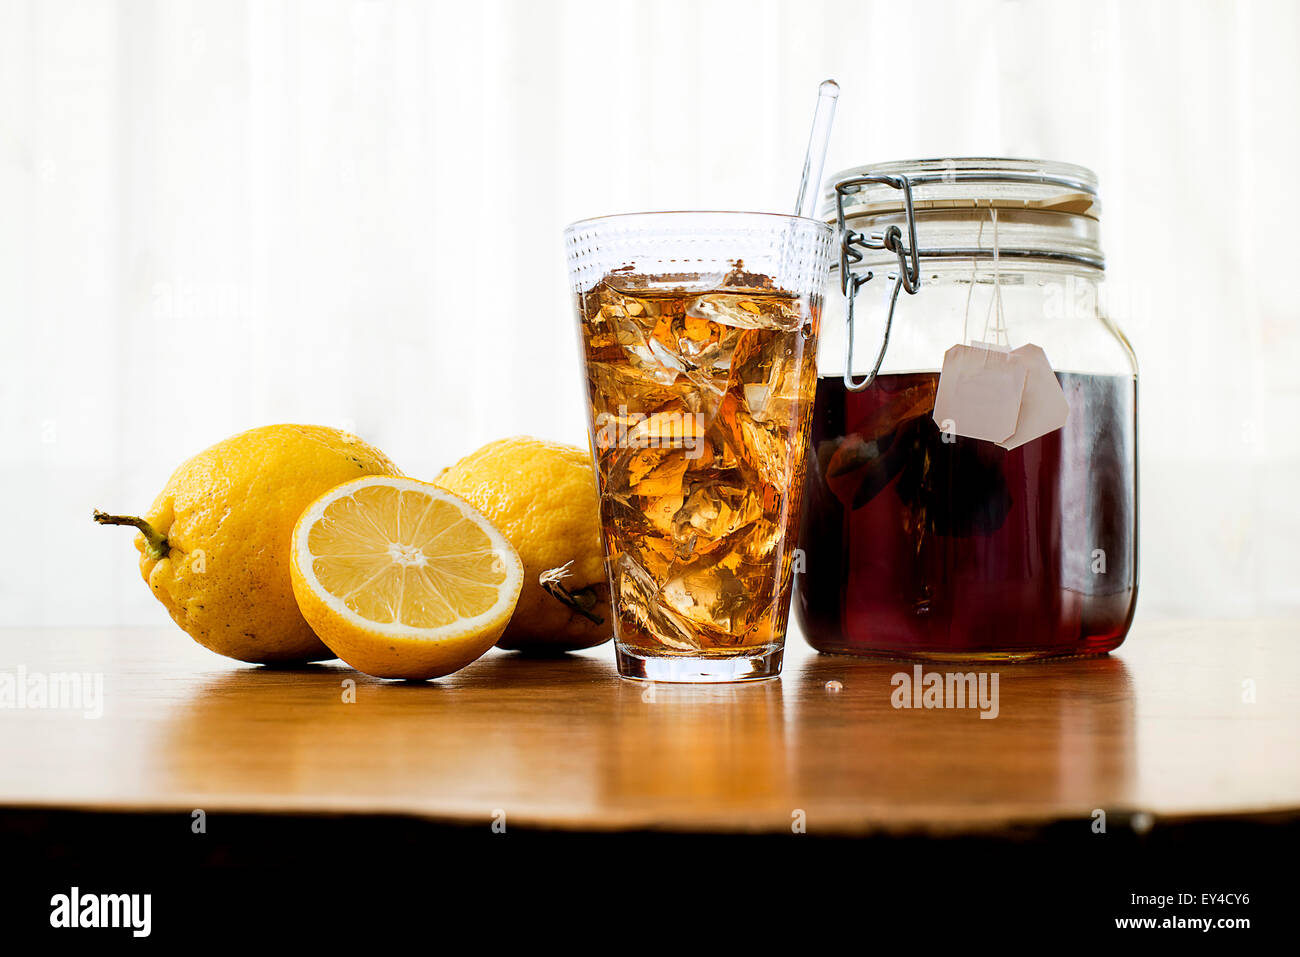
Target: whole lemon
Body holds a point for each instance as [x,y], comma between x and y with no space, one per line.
[214,547]
[542,496]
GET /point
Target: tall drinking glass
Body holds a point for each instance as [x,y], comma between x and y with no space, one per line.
[699,334]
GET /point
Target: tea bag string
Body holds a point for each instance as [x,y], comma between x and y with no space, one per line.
[970,287]
[1000,335]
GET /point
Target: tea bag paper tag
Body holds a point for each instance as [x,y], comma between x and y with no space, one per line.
[1043,407]
[980,390]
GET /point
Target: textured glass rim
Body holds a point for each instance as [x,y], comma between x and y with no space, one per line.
[674,214]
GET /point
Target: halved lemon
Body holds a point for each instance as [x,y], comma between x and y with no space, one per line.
[402,579]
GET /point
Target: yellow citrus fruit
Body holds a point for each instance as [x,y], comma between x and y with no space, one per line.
[401,578]
[542,495]
[214,547]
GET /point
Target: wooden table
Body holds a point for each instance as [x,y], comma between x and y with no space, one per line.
[1167,727]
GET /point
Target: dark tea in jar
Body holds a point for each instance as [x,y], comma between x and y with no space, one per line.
[919,540]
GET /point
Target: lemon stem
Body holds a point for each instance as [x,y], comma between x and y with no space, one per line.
[582,601]
[155,545]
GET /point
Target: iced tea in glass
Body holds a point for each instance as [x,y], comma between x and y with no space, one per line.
[699,343]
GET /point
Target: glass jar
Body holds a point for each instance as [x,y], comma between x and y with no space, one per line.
[919,543]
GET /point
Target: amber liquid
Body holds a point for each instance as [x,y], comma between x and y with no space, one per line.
[699,428]
[921,544]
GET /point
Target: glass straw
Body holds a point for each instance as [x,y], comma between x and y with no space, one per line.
[818,140]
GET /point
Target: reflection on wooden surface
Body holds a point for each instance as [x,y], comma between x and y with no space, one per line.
[1161,727]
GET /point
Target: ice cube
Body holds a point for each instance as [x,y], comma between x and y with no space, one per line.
[665,357]
[638,596]
[634,284]
[713,511]
[762,451]
[774,374]
[640,351]
[722,604]
[746,311]
[729,309]
[617,384]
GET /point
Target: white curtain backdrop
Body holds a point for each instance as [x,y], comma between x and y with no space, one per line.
[215,215]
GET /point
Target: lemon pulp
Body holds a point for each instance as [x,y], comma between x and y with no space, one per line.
[402,579]
[399,556]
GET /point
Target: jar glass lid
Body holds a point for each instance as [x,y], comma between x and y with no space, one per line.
[970,183]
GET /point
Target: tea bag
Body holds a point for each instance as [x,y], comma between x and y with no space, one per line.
[980,391]
[990,391]
[1043,407]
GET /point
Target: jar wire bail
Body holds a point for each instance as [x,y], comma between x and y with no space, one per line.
[852,243]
